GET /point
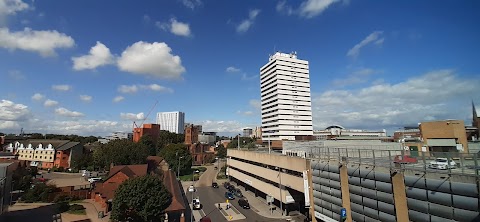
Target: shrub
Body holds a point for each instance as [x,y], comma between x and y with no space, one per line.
[62,206]
[74,207]
[61,198]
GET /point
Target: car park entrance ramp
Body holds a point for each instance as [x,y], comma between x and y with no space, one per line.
[231,213]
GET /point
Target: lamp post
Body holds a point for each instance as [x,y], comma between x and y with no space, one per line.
[178,166]
[238,142]
[280,188]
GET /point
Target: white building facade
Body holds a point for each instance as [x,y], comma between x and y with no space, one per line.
[285,98]
[172,121]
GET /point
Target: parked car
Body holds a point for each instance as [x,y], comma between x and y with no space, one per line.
[215,168]
[244,203]
[229,196]
[405,159]
[231,188]
[94,179]
[191,188]
[442,164]
[196,203]
[226,185]
[238,193]
[85,173]
[205,219]
[214,184]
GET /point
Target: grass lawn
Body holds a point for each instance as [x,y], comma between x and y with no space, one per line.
[77,212]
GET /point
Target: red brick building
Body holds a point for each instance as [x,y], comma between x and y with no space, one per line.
[201,153]
[105,191]
[147,129]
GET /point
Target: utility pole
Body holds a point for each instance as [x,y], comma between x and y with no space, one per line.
[280,186]
[238,142]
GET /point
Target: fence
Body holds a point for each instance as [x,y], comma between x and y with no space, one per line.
[441,162]
[78,194]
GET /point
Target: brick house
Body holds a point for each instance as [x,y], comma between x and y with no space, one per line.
[105,191]
[47,154]
[200,152]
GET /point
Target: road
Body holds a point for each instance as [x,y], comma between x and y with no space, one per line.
[207,177]
[209,197]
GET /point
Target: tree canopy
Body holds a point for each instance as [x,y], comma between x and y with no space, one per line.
[147,140]
[120,152]
[221,151]
[166,137]
[140,199]
[173,153]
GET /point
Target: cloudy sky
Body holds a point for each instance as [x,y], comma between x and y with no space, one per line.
[92,67]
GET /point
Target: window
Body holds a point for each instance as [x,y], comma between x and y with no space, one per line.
[50,157]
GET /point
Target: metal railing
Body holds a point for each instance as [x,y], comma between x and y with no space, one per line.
[439,162]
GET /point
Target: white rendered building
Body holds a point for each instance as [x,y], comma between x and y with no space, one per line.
[171,121]
[285,96]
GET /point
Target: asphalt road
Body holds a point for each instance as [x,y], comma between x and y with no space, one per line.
[207,177]
[210,196]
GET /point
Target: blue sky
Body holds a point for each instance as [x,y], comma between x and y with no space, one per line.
[93,67]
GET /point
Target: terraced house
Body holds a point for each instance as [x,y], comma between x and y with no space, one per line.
[47,154]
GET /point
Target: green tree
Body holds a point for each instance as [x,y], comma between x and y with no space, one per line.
[140,199]
[39,193]
[165,138]
[173,153]
[120,152]
[221,151]
[147,140]
[84,162]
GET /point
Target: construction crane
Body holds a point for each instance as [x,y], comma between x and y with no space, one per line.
[136,129]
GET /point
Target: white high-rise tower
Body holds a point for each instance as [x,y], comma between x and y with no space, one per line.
[172,121]
[285,95]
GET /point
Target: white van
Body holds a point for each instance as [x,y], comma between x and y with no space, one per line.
[94,179]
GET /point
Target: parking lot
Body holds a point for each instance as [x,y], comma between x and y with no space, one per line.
[61,179]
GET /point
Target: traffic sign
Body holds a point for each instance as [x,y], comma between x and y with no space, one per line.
[343,213]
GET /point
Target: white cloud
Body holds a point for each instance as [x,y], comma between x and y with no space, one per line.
[50,103]
[358,76]
[191,4]
[156,87]
[312,8]
[136,88]
[11,7]
[244,76]
[61,87]
[79,127]
[43,42]
[128,89]
[373,37]
[118,99]
[231,126]
[175,27]
[434,95]
[151,59]
[245,113]
[283,7]
[99,56]
[247,23]
[38,97]
[10,111]
[67,113]
[232,69]
[86,98]
[132,116]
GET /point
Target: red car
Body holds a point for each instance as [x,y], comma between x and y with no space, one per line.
[405,159]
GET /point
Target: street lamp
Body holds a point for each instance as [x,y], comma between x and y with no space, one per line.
[178,166]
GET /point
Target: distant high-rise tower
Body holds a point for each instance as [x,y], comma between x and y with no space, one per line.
[172,121]
[285,95]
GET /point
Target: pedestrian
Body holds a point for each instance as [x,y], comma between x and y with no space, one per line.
[219,207]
